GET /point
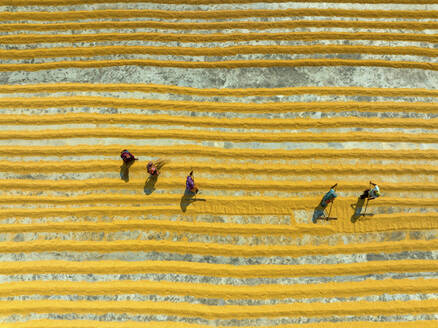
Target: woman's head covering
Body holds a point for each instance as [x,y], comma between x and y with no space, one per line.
[126,156]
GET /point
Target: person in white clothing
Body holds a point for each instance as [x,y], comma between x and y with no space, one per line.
[371,193]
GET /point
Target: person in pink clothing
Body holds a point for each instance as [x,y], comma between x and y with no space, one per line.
[127,157]
[154,167]
[128,160]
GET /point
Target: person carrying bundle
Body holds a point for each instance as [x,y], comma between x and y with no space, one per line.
[329,197]
[154,168]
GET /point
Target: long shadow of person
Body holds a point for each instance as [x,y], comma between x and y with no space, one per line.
[187,198]
[149,185]
[318,213]
[124,171]
[357,209]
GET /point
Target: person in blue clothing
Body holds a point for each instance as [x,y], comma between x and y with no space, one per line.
[328,198]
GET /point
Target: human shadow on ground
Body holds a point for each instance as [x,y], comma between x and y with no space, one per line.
[320,214]
[124,171]
[149,185]
[187,198]
[358,210]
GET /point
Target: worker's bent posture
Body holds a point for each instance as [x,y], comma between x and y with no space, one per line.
[372,192]
[190,184]
[127,157]
[329,197]
[152,169]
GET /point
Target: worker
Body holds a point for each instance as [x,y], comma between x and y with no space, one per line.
[329,197]
[127,157]
[190,184]
[371,193]
[152,169]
